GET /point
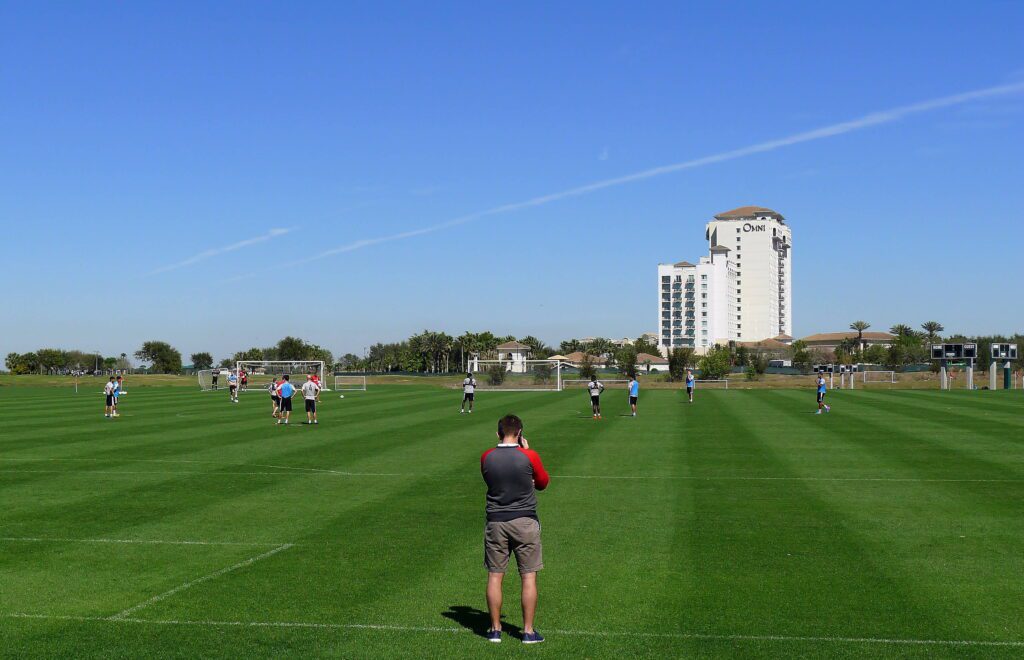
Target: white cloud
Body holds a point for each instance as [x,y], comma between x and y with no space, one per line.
[833,130]
[213,252]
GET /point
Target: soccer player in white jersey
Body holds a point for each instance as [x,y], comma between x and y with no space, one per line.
[595,387]
[468,392]
[311,393]
[108,392]
[117,395]
[233,387]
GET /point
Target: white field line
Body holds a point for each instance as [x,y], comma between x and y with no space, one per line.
[609,477]
[329,473]
[741,478]
[576,633]
[56,539]
[206,578]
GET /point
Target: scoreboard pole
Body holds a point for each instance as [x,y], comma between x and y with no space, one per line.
[992,375]
[970,374]
[1006,375]
[943,378]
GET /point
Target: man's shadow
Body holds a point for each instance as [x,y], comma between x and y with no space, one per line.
[478,621]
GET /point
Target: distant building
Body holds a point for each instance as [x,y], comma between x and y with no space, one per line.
[513,354]
[829,341]
[759,243]
[739,293]
[648,364]
[697,303]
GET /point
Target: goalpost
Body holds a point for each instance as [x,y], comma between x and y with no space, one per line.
[260,373]
[206,379]
[879,376]
[712,384]
[349,383]
[517,375]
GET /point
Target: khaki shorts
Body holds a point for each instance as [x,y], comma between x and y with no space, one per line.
[521,536]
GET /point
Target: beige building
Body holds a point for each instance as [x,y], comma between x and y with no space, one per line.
[760,251]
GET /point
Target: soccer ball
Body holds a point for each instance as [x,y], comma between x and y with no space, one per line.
[341,396]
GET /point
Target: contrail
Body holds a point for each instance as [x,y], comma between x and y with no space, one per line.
[867,121]
[213,252]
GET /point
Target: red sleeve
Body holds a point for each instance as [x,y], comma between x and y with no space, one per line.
[540,475]
[484,456]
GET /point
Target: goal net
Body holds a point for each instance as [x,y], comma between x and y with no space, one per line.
[517,375]
[712,384]
[206,383]
[879,376]
[349,383]
[259,374]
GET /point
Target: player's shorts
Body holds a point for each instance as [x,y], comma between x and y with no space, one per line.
[595,400]
[276,399]
[468,396]
[689,389]
[520,536]
[311,405]
[110,399]
[232,387]
[286,404]
[821,397]
[632,400]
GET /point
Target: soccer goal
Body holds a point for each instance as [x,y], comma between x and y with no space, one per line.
[517,375]
[261,373]
[581,383]
[712,384]
[879,376]
[206,379]
[349,383]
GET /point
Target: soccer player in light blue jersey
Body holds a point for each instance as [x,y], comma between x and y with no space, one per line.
[690,382]
[233,387]
[285,391]
[634,393]
[822,390]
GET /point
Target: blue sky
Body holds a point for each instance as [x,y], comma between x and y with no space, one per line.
[140,140]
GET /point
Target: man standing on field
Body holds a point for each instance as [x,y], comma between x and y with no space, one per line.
[311,392]
[468,392]
[513,473]
[634,393]
[822,389]
[285,391]
[233,387]
[108,392]
[690,382]
[595,387]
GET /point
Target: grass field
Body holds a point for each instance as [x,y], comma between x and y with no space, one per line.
[742,525]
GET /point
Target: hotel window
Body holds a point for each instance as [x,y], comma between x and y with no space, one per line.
[703,277]
[703,313]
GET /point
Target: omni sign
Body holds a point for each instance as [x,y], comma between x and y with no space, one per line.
[749,227]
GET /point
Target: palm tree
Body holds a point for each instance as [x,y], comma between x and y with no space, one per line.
[860,327]
[933,328]
[901,330]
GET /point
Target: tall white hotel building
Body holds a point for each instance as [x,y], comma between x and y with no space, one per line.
[740,292]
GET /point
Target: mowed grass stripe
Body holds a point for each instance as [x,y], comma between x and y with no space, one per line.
[687,549]
[424,537]
[769,560]
[897,531]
